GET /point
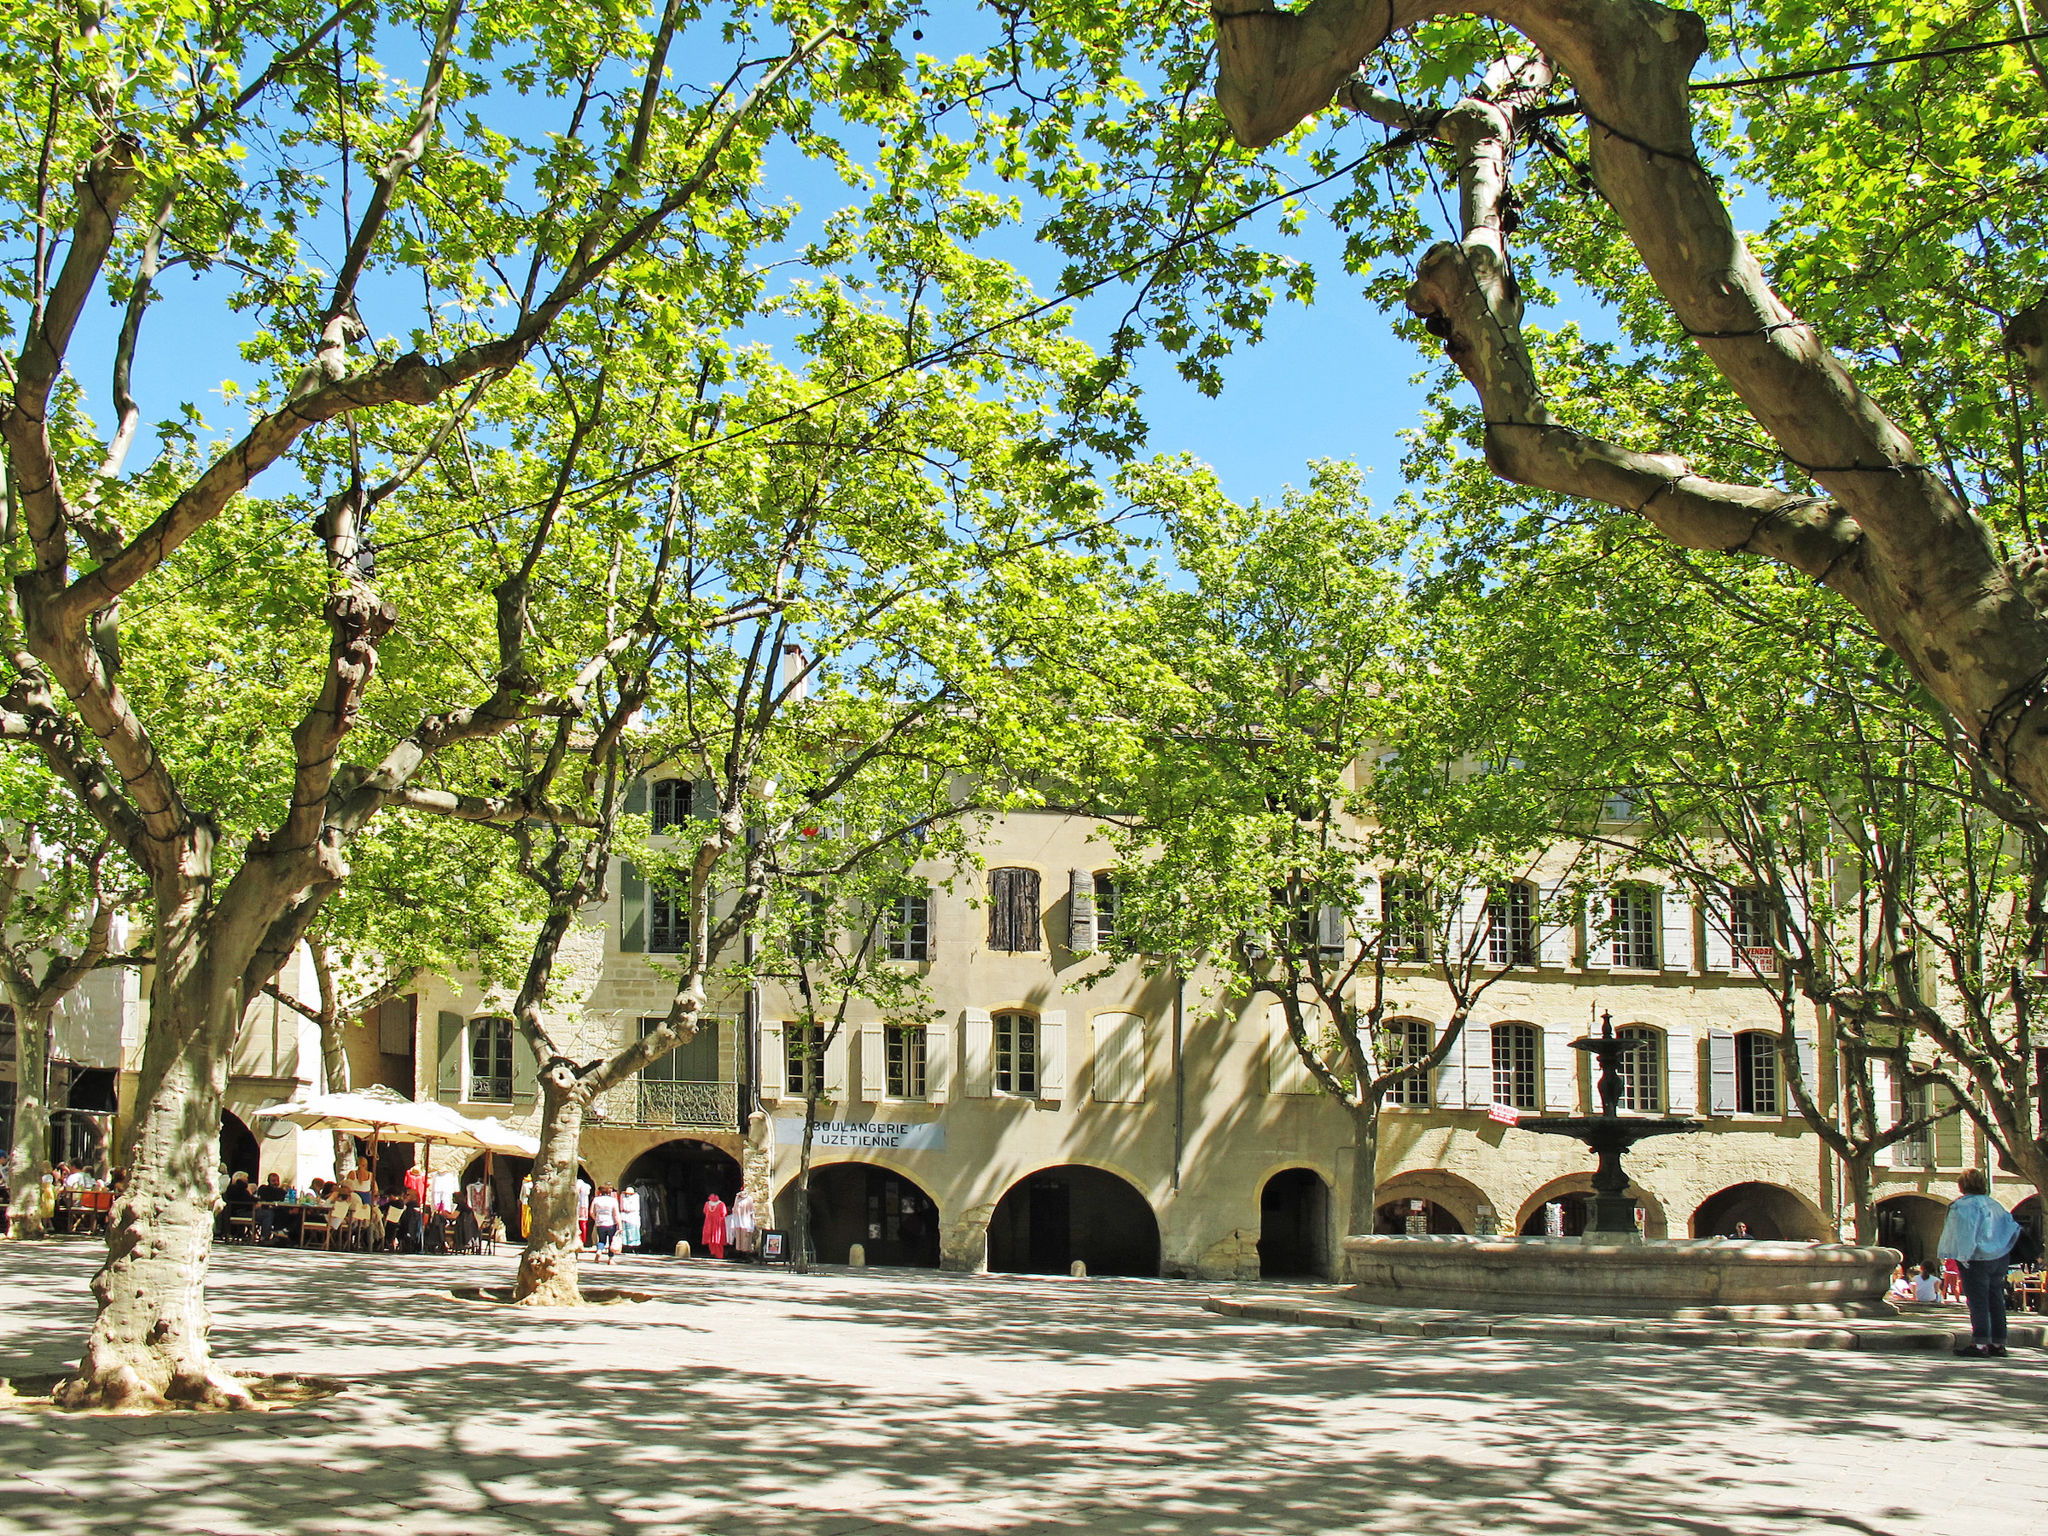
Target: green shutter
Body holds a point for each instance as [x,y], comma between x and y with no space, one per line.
[704,800]
[632,910]
[525,1067]
[449,1081]
[636,798]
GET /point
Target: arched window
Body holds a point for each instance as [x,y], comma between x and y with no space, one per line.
[1642,1070]
[490,1060]
[1756,1073]
[1632,915]
[1411,1042]
[1016,1065]
[1404,918]
[1511,925]
[671,803]
[1518,1066]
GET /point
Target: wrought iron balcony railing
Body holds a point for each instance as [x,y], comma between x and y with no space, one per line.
[703,1106]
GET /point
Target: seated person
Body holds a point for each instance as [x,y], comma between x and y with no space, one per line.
[270,1194]
[238,1199]
[1902,1284]
[1926,1287]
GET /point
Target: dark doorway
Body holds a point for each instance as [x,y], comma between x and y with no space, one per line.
[1574,1212]
[1768,1211]
[1294,1225]
[1051,1218]
[674,1180]
[502,1181]
[1391,1219]
[895,1222]
[1912,1224]
[240,1152]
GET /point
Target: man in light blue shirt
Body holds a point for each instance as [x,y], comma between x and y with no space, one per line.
[1978,1235]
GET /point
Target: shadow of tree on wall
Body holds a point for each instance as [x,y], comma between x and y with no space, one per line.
[886,1402]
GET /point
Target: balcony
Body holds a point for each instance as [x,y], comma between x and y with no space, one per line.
[689,1105]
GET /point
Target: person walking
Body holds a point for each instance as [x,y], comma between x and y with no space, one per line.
[1978,1235]
[629,1217]
[604,1222]
[714,1225]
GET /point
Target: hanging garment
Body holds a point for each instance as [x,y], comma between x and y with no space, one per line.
[478,1198]
[742,1223]
[714,1226]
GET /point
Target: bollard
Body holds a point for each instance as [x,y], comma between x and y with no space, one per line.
[1078,1270]
[682,1250]
[857,1256]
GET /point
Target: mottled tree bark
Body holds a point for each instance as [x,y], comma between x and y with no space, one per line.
[1365,1167]
[29,1157]
[554,1249]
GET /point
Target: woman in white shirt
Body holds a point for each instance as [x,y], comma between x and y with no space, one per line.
[604,1222]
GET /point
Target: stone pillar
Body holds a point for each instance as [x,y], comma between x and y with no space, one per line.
[963,1244]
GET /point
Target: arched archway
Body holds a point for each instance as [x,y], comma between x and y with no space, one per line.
[2028,1214]
[1451,1204]
[1049,1219]
[1912,1224]
[1573,1194]
[1768,1211]
[674,1180]
[892,1217]
[240,1151]
[1294,1225]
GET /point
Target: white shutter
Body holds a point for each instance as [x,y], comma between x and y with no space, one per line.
[1720,946]
[1676,938]
[1080,911]
[938,1062]
[1884,1106]
[1286,1072]
[1681,1074]
[1330,928]
[1450,1077]
[1599,918]
[1052,1055]
[774,1062]
[1554,928]
[977,1053]
[1477,1048]
[874,1064]
[1808,1050]
[1560,1071]
[1799,921]
[1469,928]
[835,1067]
[1366,920]
[1119,1058]
[1720,1073]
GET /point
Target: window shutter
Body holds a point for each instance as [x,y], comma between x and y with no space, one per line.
[525,1067]
[977,1053]
[1001,904]
[1052,1055]
[1286,1072]
[1025,910]
[1560,1071]
[774,1061]
[1720,1073]
[1948,1134]
[1450,1077]
[1119,1058]
[1884,1108]
[938,1062]
[1554,928]
[874,1064]
[636,798]
[1366,919]
[703,800]
[1676,939]
[835,1067]
[1478,1054]
[1080,911]
[1330,928]
[1798,920]
[1469,927]
[1599,918]
[1719,949]
[1809,1068]
[632,910]
[448,1059]
[1681,1074]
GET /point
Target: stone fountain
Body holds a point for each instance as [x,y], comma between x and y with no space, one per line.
[1612,1269]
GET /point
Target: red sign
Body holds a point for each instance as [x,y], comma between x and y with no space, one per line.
[1506,1114]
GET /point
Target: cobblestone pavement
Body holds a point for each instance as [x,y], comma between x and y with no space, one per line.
[886,1402]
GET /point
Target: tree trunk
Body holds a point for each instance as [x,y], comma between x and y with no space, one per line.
[1856,1176]
[29,1157]
[1365,1167]
[800,1227]
[547,1269]
[334,1066]
[148,1345]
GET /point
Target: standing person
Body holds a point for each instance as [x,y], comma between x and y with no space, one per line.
[1978,1235]
[714,1225]
[743,1225]
[604,1222]
[629,1217]
[582,1211]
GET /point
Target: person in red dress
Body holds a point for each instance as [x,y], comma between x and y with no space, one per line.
[714,1226]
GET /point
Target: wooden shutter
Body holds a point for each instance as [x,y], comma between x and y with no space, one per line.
[1477,1052]
[1947,1134]
[1807,1050]
[1560,1067]
[1119,1040]
[1024,910]
[977,1053]
[1286,1072]
[999,908]
[1720,1073]
[1599,918]
[448,1078]
[1553,929]
[938,1062]
[525,1067]
[1469,927]
[703,800]
[835,1066]
[636,798]
[1080,911]
[632,910]
[1675,941]
[874,1064]
[1681,1074]
[1884,1108]
[1718,952]
[774,1063]
[1052,1055]
[1450,1077]
[1330,928]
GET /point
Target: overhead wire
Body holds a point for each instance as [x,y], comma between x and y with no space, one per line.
[1744,82]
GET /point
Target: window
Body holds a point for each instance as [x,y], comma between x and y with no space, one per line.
[905,1044]
[668,920]
[1619,805]
[1013,910]
[804,1057]
[393,1019]
[1410,1043]
[1517,1066]
[1756,1073]
[1915,1150]
[490,1060]
[1750,924]
[1632,916]
[694,1061]
[910,927]
[1017,1053]
[1105,908]
[1642,1070]
[1404,918]
[1511,925]
[671,803]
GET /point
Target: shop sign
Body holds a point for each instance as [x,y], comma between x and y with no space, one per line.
[865,1135]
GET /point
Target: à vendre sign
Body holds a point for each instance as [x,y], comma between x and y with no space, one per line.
[864,1135]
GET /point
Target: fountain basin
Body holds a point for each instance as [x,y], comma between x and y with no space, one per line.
[1701,1278]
